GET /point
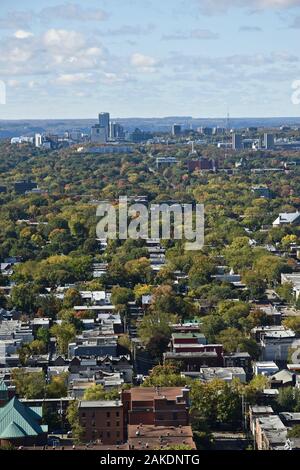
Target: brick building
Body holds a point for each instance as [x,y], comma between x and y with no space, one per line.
[142,437]
[102,421]
[160,406]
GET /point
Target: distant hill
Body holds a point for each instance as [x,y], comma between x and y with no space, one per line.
[29,127]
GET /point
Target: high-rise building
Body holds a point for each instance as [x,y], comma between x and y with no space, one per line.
[176,129]
[38,140]
[104,120]
[237,141]
[99,134]
[205,130]
[268,141]
[116,131]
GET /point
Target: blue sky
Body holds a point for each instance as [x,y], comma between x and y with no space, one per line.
[147,58]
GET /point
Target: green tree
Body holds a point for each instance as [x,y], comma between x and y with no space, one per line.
[73,419]
[155,331]
[65,333]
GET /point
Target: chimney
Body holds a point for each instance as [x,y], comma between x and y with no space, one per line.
[186,395]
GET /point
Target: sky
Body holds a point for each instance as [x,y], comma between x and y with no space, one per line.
[149,58]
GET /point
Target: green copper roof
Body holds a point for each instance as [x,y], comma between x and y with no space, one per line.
[18,420]
[12,430]
[3,387]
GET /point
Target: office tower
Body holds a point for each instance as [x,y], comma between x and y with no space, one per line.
[104,120]
[116,131]
[99,134]
[38,140]
[205,130]
[268,141]
[176,129]
[237,142]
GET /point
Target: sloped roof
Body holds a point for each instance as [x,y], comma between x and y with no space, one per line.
[3,387]
[17,420]
[12,430]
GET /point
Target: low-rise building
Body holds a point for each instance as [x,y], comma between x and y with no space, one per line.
[266,368]
[206,374]
[102,421]
[150,437]
[159,406]
[21,425]
[287,218]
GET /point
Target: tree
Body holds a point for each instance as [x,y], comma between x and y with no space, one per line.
[211,326]
[294,432]
[72,297]
[270,267]
[73,419]
[65,333]
[24,298]
[230,338]
[234,340]
[120,296]
[140,290]
[37,347]
[201,271]
[288,399]
[285,292]
[29,384]
[155,331]
[165,300]
[215,402]
[164,376]
[255,284]
[138,270]
[124,341]
[292,323]
[57,388]
[98,392]
[43,334]
[3,300]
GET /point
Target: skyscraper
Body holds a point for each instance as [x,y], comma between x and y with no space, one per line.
[104,120]
[116,131]
[176,129]
[268,141]
[98,134]
[237,142]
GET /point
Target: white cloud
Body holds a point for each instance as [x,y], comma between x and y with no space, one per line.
[212,7]
[22,34]
[69,79]
[143,63]
[73,12]
[202,34]
[63,39]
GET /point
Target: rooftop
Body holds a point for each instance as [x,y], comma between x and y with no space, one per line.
[155,437]
[151,393]
[18,420]
[100,404]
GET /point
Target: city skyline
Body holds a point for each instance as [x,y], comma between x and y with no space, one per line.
[201,59]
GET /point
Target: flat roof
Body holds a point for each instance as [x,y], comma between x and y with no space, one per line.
[150,393]
[100,404]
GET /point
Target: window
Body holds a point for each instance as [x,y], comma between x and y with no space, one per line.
[117,414]
[108,424]
[108,434]
[175,417]
[93,424]
[118,433]
[83,415]
[118,424]
[108,414]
